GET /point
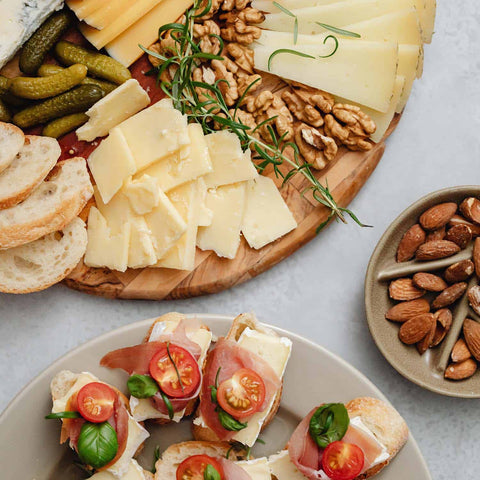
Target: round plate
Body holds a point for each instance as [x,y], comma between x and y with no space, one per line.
[30,448]
[427,370]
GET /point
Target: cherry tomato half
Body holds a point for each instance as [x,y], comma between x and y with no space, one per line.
[193,468]
[95,402]
[343,461]
[242,395]
[165,374]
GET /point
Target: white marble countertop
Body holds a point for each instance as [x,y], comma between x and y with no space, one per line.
[318,291]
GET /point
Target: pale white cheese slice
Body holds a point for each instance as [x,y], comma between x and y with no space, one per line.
[134,472]
[258,468]
[205,215]
[82,379]
[143,194]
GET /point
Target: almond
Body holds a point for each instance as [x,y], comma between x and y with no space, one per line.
[429,282]
[444,320]
[404,289]
[460,351]
[460,271]
[438,216]
[450,295]
[476,256]
[436,249]
[474,298]
[412,239]
[406,310]
[438,234]
[415,329]
[462,370]
[424,344]
[471,332]
[460,234]
[459,220]
[470,209]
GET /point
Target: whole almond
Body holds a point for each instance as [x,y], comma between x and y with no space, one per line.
[404,289]
[429,282]
[406,310]
[436,249]
[415,329]
[474,298]
[470,209]
[412,239]
[438,234]
[462,370]
[438,216]
[476,256]
[444,320]
[460,351]
[460,271]
[450,295]
[459,220]
[424,344]
[471,332]
[460,234]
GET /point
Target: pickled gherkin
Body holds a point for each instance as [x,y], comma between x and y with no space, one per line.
[61,126]
[4,113]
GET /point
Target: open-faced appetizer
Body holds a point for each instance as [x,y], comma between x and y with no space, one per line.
[242,384]
[96,419]
[166,369]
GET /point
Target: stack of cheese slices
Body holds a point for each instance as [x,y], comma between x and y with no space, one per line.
[163,188]
[375,71]
[41,238]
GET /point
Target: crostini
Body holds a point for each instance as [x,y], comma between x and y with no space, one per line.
[166,369]
[242,383]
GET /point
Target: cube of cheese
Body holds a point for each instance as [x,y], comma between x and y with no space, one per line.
[143,194]
[267,216]
[223,235]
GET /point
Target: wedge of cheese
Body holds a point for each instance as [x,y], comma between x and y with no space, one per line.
[134,472]
[83,8]
[143,194]
[107,13]
[126,47]
[205,215]
[408,60]
[227,204]
[360,71]
[283,468]
[269,6]
[257,469]
[428,19]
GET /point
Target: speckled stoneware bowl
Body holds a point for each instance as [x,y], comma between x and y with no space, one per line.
[427,370]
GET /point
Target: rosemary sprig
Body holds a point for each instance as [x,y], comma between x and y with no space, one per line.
[176,368]
[180,63]
[290,52]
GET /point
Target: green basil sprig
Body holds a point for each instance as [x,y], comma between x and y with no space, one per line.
[63,415]
[210,473]
[329,424]
[142,386]
[168,404]
[97,444]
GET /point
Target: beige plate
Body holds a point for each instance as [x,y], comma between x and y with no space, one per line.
[427,370]
[30,449]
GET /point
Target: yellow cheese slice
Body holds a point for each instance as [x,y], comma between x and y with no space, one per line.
[269,6]
[282,468]
[257,469]
[205,215]
[83,8]
[134,472]
[99,38]
[143,194]
[106,14]
[125,48]
[428,19]
[409,57]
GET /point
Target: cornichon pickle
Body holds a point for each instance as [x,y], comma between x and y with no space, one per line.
[45,87]
[98,65]
[14,101]
[4,84]
[47,69]
[74,101]
[4,113]
[61,126]
[34,52]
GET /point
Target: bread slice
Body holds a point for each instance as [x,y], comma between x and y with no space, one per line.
[29,168]
[51,206]
[173,456]
[38,265]
[11,140]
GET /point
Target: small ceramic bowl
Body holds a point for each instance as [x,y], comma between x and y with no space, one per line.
[426,370]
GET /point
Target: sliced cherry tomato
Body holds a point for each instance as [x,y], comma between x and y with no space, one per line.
[193,468]
[95,402]
[165,374]
[342,461]
[242,395]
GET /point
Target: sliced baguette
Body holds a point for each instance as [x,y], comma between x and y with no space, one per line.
[11,140]
[51,206]
[29,168]
[38,265]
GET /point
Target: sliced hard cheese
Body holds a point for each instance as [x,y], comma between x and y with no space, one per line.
[189,163]
[106,14]
[111,163]
[134,472]
[105,249]
[230,163]
[99,38]
[125,101]
[257,469]
[227,204]
[408,60]
[283,468]
[143,194]
[428,19]
[267,216]
[360,71]
[83,8]
[125,48]
[269,6]
[205,215]
[155,133]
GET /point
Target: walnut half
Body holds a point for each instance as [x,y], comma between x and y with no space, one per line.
[316,149]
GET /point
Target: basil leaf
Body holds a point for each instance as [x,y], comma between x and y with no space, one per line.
[63,415]
[213,394]
[210,473]
[156,458]
[142,386]
[328,424]
[168,404]
[230,423]
[97,444]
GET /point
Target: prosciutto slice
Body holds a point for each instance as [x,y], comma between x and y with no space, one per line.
[232,471]
[229,357]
